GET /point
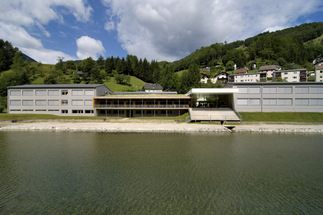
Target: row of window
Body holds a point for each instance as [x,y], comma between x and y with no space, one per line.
[51,92]
[50,102]
[280,102]
[281,90]
[53,110]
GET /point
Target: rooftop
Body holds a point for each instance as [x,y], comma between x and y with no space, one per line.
[56,86]
[269,67]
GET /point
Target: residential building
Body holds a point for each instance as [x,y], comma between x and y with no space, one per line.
[153,88]
[247,77]
[278,97]
[269,69]
[69,100]
[204,78]
[241,70]
[223,77]
[296,75]
[319,73]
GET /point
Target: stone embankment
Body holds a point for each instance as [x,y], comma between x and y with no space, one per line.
[160,127]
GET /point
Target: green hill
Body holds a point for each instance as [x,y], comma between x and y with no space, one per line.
[291,47]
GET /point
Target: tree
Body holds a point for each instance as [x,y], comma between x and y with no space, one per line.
[229,66]
[18,62]
[91,71]
[60,64]
[7,52]
[100,62]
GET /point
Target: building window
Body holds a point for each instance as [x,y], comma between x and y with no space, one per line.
[301,102]
[254,90]
[317,102]
[89,111]
[77,92]
[317,90]
[254,102]
[64,92]
[15,93]
[301,90]
[40,92]
[53,92]
[242,101]
[77,111]
[27,102]
[269,102]
[64,102]
[64,111]
[40,102]
[88,102]
[89,92]
[15,103]
[284,102]
[41,110]
[243,89]
[77,102]
[27,92]
[284,90]
[53,102]
[270,90]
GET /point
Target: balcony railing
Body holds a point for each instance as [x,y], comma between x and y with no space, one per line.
[142,106]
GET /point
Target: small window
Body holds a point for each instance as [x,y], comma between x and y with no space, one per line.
[317,102]
[77,111]
[64,102]
[77,102]
[64,92]
[89,111]
[254,102]
[64,111]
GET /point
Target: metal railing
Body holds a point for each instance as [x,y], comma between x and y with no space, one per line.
[143,106]
[238,114]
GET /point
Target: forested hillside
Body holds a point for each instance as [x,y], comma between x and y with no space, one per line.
[290,48]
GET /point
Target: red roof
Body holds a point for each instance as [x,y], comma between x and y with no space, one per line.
[242,70]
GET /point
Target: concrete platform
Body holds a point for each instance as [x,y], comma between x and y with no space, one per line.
[213,114]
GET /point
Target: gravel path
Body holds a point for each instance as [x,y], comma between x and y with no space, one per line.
[169,127]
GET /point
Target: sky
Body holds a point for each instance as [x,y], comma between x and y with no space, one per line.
[157,30]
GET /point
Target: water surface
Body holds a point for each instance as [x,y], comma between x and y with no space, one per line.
[104,173]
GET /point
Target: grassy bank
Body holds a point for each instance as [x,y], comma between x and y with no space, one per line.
[246,117]
[281,117]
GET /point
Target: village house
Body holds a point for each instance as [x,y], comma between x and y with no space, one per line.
[295,75]
[269,69]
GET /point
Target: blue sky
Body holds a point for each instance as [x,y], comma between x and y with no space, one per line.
[158,30]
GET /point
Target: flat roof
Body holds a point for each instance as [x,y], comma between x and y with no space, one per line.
[147,96]
[230,84]
[56,86]
[210,91]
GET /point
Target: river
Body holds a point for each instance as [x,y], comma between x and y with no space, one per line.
[146,173]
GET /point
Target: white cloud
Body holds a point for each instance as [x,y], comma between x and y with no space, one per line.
[89,47]
[46,55]
[109,26]
[171,29]
[17,17]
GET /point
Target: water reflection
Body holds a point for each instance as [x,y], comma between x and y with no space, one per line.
[160,173]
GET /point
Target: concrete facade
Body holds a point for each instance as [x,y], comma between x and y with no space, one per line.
[67,100]
[278,97]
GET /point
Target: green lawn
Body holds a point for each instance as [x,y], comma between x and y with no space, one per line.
[281,117]
[136,85]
